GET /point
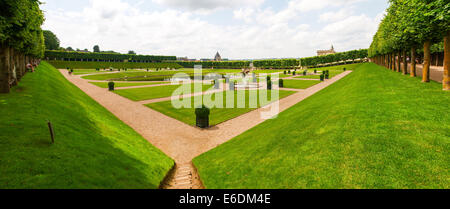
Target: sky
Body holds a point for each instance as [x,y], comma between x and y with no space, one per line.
[237,29]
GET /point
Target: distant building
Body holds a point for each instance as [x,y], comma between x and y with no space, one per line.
[326,52]
[217,57]
[182,59]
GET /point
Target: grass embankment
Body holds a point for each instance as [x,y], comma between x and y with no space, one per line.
[218,115]
[140,94]
[93,149]
[299,84]
[105,84]
[373,129]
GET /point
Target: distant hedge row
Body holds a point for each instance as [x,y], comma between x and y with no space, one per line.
[93,56]
[107,65]
[215,64]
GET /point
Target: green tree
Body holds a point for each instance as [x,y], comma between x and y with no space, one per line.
[96,48]
[51,40]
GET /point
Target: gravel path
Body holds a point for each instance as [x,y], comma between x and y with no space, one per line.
[178,140]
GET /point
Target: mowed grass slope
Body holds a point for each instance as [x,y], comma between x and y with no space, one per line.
[373,129]
[93,149]
[218,115]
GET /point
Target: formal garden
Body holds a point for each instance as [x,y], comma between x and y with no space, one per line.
[346,120]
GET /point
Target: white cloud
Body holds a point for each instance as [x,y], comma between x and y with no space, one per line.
[208,5]
[311,5]
[263,33]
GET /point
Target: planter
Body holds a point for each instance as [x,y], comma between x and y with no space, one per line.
[202,116]
[111,86]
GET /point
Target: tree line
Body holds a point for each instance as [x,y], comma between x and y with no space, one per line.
[104,57]
[21,39]
[410,28]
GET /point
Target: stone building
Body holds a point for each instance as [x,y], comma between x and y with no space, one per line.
[217,57]
[326,52]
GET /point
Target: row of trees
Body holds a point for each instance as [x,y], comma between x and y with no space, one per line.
[342,57]
[277,63]
[349,56]
[92,56]
[316,61]
[413,26]
[21,39]
[116,65]
[216,64]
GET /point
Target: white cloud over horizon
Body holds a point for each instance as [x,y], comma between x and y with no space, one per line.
[253,31]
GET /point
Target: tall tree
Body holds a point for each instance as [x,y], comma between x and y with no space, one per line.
[96,48]
[51,40]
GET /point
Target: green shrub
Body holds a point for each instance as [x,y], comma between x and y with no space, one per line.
[281,83]
[202,116]
[111,86]
[322,77]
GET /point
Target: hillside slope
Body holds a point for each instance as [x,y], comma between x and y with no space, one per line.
[373,129]
[93,148]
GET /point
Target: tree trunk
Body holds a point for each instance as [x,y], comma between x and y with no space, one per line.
[4,69]
[405,63]
[426,62]
[446,80]
[413,62]
[393,61]
[399,61]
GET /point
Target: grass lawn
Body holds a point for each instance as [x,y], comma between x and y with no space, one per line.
[159,75]
[105,84]
[93,149]
[139,94]
[218,115]
[334,70]
[299,84]
[391,132]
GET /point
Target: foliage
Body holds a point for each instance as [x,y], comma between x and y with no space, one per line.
[20,26]
[96,49]
[216,64]
[93,56]
[106,65]
[409,23]
[51,41]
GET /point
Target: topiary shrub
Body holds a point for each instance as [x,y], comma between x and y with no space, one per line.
[345,69]
[202,116]
[111,86]
[315,71]
[281,83]
[284,72]
[269,85]
[304,72]
[322,77]
[293,73]
[289,71]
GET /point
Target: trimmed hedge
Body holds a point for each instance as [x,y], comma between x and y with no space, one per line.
[93,56]
[107,65]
